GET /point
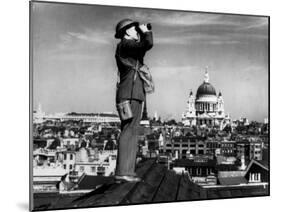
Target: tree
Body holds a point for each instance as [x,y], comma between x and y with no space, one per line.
[171,122]
[55,144]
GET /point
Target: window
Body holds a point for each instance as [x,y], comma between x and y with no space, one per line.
[82,168]
[100,173]
[200,152]
[70,166]
[71,156]
[93,169]
[101,169]
[64,156]
[192,151]
[198,171]
[64,166]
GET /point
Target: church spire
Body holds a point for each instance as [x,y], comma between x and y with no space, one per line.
[39,110]
[206,76]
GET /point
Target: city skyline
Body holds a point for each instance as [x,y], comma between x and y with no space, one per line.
[74,67]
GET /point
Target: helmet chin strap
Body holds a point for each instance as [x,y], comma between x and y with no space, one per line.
[138,37]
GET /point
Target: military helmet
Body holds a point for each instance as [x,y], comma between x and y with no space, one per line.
[123,25]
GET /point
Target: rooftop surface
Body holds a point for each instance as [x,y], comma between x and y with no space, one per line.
[158,185]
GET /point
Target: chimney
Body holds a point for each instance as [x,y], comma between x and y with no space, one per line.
[243,166]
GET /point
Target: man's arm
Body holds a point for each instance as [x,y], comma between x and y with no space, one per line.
[134,48]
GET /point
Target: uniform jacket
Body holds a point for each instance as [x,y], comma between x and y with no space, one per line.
[131,51]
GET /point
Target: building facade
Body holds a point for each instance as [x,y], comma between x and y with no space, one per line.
[106,117]
[206,108]
[185,146]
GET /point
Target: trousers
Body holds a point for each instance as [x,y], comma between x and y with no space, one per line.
[128,143]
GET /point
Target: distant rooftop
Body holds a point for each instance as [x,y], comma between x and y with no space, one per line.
[92,114]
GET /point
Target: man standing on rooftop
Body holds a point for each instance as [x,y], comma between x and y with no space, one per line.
[136,39]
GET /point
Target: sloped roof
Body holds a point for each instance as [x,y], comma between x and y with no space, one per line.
[159,185]
[232,180]
[262,164]
[90,182]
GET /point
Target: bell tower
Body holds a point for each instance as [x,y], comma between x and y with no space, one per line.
[220,105]
[191,104]
[189,117]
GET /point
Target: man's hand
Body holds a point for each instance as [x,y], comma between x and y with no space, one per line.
[143,28]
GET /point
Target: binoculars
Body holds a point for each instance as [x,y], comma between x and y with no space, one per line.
[148,25]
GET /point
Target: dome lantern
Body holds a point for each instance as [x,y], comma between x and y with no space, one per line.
[206,76]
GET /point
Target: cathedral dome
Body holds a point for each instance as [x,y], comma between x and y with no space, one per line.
[206,89]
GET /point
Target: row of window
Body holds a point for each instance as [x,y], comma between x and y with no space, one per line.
[227,151]
[199,171]
[253,152]
[70,157]
[70,166]
[81,168]
[192,151]
[256,152]
[186,145]
[227,145]
[93,169]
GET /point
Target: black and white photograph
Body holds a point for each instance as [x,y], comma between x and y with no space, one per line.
[134,105]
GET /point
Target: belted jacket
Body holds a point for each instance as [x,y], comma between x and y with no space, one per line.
[128,52]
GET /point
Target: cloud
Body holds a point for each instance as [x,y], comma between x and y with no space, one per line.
[184,28]
[215,36]
[187,39]
[189,18]
[256,24]
[79,45]
[97,37]
[91,36]
[170,18]
[258,70]
[160,72]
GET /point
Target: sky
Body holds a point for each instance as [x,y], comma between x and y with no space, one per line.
[74,69]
